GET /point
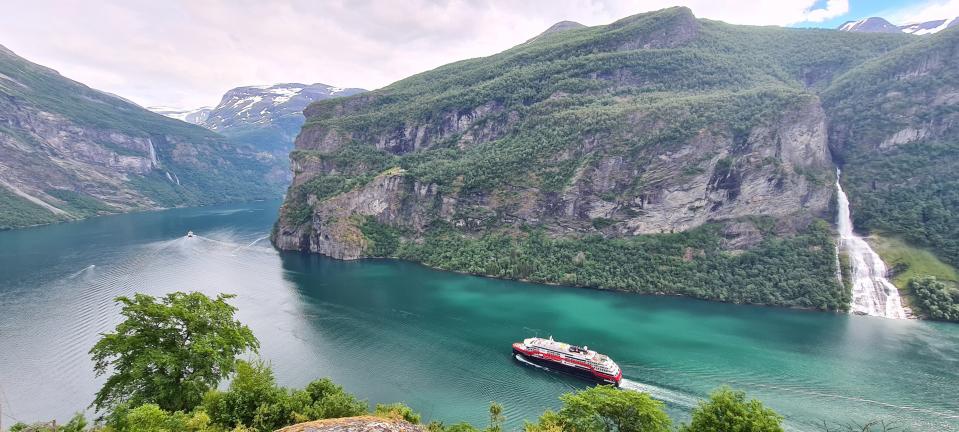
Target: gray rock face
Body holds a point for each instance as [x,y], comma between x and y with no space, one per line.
[708,178]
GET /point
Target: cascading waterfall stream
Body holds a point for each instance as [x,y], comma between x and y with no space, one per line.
[872,293]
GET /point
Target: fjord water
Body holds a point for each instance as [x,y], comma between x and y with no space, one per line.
[397,331]
[872,293]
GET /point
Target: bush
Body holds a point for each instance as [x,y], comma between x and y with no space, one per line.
[937,300]
[728,410]
[397,411]
[604,408]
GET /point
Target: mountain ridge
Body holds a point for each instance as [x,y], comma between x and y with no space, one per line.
[881,25]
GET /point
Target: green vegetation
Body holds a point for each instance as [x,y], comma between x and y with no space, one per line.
[18,212]
[606,409]
[906,262]
[78,204]
[935,298]
[796,272]
[728,410]
[170,351]
[906,187]
[383,239]
[254,400]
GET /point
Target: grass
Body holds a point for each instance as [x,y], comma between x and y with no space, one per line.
[915,261]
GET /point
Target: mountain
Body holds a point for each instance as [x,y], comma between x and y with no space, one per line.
[196,116]
[268,117]
[929,27]
[657,154]
[894,126]
[68,152]
[870,25]
[880,25]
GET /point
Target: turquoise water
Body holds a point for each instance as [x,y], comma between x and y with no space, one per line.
[390,331]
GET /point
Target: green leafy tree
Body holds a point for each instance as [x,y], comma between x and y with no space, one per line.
[728,410]
[397,411]
[604,409]
[254,400]
[936,299]
[169,351]
[151,418]
[496,417]
[252,386]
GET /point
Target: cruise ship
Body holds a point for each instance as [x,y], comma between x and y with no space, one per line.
[580,361]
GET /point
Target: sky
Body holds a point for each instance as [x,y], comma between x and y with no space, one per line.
[187,53]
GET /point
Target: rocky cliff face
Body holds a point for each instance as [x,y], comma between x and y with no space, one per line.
[69,152]
[779,169]
[591,158]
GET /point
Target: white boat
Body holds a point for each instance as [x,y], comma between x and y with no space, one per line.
[572,359]
[189,233]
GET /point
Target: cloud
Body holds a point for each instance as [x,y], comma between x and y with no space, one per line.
[924,11]
[188,53]
[833,9]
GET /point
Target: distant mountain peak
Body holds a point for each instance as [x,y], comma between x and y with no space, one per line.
[562,26]
[196,116]
[881,25]
[870,25]
[557,28]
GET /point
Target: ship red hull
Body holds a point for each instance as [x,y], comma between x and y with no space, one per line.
[569,366]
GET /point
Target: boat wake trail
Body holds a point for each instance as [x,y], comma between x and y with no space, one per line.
[523,360]
[671,397]
[251,243]
[84,270]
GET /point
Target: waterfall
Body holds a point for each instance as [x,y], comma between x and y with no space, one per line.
[872,293]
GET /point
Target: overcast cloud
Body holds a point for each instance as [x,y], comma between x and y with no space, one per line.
[187,53]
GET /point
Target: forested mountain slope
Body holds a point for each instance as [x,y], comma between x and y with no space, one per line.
[894,122]
[661,153]
[68,152]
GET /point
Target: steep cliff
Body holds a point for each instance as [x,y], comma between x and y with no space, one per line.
[593,144]
[68,152]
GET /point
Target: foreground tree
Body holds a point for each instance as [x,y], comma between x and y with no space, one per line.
[728,410]
[254,400]
[169,351]
[607,409]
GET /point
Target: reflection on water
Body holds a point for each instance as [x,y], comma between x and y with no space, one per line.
[392,331]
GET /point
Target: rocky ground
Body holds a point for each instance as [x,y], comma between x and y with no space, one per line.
[354,424]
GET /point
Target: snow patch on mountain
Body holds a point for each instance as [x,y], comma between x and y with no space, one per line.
[928,27]
[880,25]
[196,116]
